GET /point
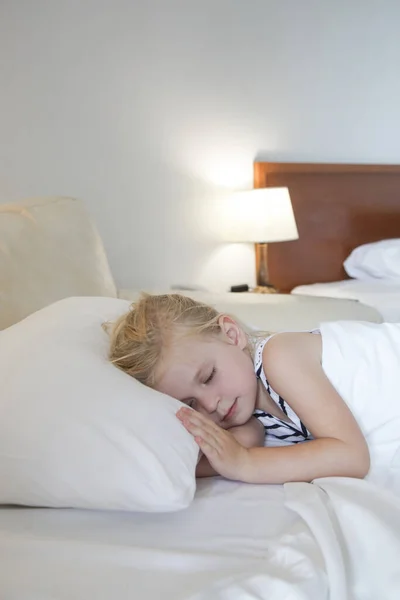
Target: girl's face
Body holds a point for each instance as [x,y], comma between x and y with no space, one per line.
[213,375]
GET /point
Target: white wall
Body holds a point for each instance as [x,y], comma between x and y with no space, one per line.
[151,109]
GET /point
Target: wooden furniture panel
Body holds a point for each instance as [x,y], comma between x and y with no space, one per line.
[337,207]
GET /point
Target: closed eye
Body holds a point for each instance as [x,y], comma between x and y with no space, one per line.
[192,401]
[210,377]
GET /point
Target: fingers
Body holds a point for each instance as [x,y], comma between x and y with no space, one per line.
[202,428]
[185,411]
[208,449]
[204,432]
[191,417]
[188,414]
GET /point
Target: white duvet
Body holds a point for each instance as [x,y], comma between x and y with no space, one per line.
[362,361]
[346,548]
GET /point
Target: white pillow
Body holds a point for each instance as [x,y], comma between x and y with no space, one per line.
[378,260]
[75,431]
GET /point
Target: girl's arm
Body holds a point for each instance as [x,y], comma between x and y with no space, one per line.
[292,362]
[249,435]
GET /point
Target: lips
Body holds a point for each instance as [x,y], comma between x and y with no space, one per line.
[230,411]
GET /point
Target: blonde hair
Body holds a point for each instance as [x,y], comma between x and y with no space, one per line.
[141,337]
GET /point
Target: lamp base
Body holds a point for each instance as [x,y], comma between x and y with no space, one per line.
[262,275]
[264,289]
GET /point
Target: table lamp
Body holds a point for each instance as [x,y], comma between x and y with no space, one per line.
[261,216]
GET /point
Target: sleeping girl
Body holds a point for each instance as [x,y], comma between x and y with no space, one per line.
[269,408]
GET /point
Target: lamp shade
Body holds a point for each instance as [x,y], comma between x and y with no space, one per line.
[261,215]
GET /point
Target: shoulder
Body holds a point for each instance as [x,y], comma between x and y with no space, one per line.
[287,350]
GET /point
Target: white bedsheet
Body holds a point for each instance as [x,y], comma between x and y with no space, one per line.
[337,539]
[230,529]
[383,295]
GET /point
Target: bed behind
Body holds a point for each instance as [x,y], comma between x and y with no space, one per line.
[337,208]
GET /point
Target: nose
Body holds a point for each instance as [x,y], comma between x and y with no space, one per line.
[208,402]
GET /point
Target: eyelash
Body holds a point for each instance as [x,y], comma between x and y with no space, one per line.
[210,376]
[191,403]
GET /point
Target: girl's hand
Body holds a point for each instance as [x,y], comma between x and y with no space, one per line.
[222,450]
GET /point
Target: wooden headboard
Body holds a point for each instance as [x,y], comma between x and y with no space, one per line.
[337,207]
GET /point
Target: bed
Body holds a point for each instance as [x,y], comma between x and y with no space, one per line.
[235,541]
[382,295]
[338,207]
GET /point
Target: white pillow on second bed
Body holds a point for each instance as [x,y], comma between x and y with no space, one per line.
[77,432]
[378,260]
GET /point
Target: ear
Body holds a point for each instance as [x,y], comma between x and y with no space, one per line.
[232,332]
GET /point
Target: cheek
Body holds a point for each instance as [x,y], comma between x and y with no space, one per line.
[241,380]
[245,370]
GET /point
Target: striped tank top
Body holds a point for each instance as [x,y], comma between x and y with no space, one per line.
[277,431]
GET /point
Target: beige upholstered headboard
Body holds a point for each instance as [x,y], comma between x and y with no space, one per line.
[49,249]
